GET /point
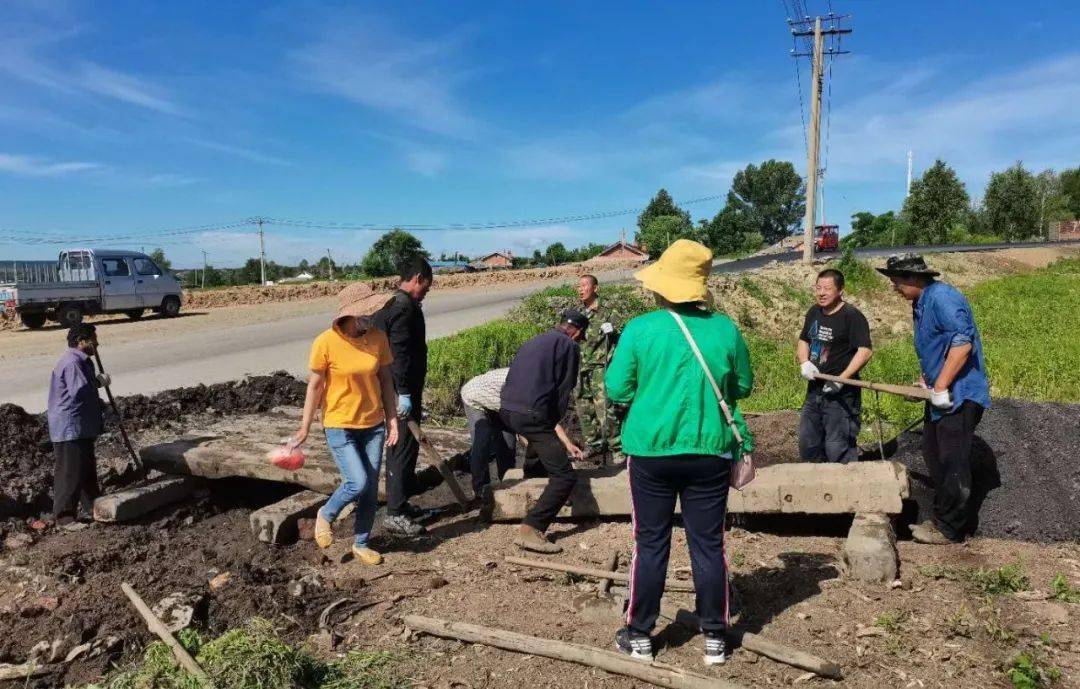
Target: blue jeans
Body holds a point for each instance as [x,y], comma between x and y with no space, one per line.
[358,455]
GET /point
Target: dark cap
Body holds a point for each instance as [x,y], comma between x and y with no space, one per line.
[574,318]
[906,264]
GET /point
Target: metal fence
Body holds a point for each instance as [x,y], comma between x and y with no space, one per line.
[28,272]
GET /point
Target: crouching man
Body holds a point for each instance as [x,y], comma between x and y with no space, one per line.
[534,399]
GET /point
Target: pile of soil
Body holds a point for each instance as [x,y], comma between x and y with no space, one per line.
[26,462]
[1025,460]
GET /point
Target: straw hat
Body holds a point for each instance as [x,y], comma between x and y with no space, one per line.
[679,275]
[359,299]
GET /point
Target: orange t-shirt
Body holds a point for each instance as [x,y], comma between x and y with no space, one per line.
[353,398]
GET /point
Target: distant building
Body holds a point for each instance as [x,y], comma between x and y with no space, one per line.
[498,259]
[302,277]
[1066,230]
[621,251]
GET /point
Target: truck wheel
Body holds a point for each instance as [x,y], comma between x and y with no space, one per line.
[69,315]
[170,307]
[134,314]
[33,320]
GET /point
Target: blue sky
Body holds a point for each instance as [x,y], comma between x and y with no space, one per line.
[127,118]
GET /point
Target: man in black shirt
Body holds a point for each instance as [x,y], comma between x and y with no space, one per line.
[835,340]
[402,319]
[534,399]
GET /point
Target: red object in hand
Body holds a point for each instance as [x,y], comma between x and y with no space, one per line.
[288,457]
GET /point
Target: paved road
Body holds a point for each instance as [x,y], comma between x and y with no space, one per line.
[213,357]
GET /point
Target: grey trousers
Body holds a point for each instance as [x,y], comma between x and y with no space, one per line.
[829,426]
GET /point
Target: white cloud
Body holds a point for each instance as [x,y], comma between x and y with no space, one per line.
[240,152]
[34,166]
[364,60]
[123,87]
[425,161]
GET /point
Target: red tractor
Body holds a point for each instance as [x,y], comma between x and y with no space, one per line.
[826,238]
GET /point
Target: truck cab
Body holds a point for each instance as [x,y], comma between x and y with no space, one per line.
[826,238]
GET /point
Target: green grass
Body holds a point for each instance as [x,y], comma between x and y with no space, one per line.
[755,291]
[859,276]
[1029,325]
[996,581]
[254,657]
[1027,671]
[1063,591]
[891,621]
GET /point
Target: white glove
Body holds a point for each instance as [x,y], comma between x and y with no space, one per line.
[808,370]
[104,380]
[607,328]
[941,400]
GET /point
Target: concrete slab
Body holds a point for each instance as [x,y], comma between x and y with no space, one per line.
[277,523]
[134,503]
[782,488]
[870,549]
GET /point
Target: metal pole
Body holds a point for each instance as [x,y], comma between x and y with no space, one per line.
[330,264]
[813,144]
[908,192]
[204,270]
[262,254]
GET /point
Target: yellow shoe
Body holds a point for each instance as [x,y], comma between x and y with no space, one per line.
[324,534]
[366,556]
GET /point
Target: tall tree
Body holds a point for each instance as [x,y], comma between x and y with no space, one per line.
[158,257]
[937,202]
[1053,201]
[1070,186]
[212,277]
[661,231]
[868,229]
[556,254]
[726,232]
[768,199]
[1011,203]
[389,251]
[662,204]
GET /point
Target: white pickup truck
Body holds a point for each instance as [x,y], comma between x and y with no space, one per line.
[87,281]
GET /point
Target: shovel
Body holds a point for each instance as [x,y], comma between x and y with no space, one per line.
[136,463]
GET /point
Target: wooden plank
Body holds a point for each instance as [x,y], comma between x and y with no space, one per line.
[809,488]
[601,574]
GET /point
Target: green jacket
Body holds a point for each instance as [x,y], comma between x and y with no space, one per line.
[673,409]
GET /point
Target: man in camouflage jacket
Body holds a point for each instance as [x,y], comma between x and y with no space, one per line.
[599,427]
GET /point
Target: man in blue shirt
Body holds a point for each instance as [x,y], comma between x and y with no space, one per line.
[75,422]
[951,358]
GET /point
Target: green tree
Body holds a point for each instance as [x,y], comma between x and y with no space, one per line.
[661,205]
[768,199]
[726,232]
[937,202]
[212,277]
[1053,201]
[249,273]
[303,266]
[868,229]
[556,254]
[537,257]
[158,257]
[1070,187]
[390,251]
[661,231]
[1011,203]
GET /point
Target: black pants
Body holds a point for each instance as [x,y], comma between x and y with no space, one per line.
[947,453]
[489,438]
[829,425]
[701,485]
[561,475]
[75,480]
[401,483]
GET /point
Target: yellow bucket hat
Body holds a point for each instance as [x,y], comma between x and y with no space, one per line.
[680,274]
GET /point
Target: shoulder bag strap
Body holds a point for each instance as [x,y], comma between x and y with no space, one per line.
[708,374]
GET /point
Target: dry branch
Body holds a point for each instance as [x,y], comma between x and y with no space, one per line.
[163,633]
[670,585]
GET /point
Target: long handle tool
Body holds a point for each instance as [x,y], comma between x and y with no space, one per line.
[903,390]
[136,462]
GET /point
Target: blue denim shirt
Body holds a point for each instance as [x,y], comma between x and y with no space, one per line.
[942,320]
[75,410]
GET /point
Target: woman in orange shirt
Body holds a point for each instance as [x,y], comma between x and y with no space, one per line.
[350,383]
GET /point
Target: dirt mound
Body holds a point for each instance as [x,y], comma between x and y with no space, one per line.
[1025,462]
[26,462]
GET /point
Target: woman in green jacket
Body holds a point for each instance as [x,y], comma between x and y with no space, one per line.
[677,440]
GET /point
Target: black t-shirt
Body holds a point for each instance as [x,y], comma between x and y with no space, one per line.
[834,338]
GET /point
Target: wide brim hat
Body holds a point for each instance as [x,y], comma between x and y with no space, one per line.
[899,265]
[359,299]
[680,274]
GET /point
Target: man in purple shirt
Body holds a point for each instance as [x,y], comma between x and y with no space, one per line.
[75,422]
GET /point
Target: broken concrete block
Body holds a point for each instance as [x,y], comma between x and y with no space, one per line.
[870,549]
[134,503]
[277,523]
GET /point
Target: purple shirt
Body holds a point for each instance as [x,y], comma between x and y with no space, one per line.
[75,410]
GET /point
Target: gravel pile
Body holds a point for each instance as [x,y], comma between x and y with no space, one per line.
[1028,455]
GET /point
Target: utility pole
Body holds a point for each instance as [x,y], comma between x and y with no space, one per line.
[262,253]
[330,264]
[813,141]
[203,268]
[908,192]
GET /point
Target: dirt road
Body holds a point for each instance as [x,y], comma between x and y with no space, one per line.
[216,345]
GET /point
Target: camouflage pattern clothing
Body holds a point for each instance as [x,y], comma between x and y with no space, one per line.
[599,427]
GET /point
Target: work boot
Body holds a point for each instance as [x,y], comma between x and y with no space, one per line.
[529,538]
[928,533]
[421,515]
[401,525]
[324,533]
[715,648]
[366,555]
[486,498]
[637,646]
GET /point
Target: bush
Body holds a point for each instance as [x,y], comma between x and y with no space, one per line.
[858,275]
[543,308]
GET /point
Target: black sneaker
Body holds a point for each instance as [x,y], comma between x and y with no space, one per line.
[400,525]
[715,648]
[637,646]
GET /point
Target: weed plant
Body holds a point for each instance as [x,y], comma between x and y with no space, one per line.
[756,291]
